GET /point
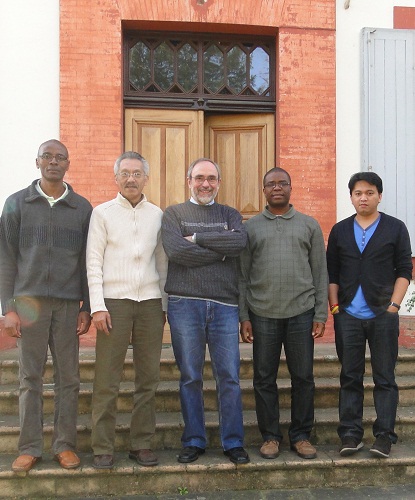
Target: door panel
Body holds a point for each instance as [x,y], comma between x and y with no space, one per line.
[243,146]
[169,141]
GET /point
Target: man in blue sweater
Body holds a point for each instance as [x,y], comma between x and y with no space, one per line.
[202,240]
[45,300]
[370,267]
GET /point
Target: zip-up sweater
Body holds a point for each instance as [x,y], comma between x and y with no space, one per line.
[206,269]
[386,257]
[125,256]
[42,248]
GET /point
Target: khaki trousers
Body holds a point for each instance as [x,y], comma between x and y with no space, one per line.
[143,323]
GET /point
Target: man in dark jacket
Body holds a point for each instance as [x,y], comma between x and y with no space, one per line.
[370,267]
[44,298]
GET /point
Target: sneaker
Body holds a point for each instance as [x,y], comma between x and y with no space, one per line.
[350,446]
[270,449]
[381,447]
[304,449]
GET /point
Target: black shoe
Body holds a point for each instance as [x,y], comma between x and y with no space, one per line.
[189,454]
[381,447]
[237,455]
[350,446]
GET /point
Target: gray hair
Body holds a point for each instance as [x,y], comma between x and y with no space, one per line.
[132,155]
[193,164]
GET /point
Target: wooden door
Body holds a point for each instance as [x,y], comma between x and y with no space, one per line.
[169,140]
[242,145]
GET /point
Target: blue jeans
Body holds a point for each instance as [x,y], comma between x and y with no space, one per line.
[269,336]
[193,324]
[382,335]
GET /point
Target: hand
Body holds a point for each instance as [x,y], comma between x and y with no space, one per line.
[246,332]
[84,322]
[12,324]
[318,330]
[102,321]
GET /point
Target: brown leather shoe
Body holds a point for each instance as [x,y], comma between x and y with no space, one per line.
[270,449]
[67,459]
[146,457]
[24,463]
[103,462]
[304,449]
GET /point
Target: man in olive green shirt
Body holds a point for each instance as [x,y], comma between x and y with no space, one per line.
[283,301]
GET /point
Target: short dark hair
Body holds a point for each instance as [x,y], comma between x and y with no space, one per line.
[370,177]
[276,169]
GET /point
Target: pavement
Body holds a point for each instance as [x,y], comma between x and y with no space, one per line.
[401,492]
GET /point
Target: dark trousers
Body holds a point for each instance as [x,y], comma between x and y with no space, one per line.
[382,335]
[269,336]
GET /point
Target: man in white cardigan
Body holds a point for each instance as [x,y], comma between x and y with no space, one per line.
[127,269]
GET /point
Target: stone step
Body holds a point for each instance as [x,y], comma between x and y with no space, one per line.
[167,397]
[325,365]
[169,429]
[211,472]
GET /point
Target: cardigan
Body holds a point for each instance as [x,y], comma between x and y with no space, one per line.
[125,257]
[42,248]
[386,257]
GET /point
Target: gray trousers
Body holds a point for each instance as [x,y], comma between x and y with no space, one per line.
[48,322]
[143,323]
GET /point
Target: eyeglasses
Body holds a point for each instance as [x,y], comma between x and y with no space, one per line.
[126,175]
[200,179]
[273,185]
[49,156]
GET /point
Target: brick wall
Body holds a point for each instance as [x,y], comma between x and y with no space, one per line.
[91,109]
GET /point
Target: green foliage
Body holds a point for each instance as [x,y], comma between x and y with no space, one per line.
[182,490]
[410,303]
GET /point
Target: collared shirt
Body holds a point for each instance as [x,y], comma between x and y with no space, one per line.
[50,199]
[192,200]
[283,267]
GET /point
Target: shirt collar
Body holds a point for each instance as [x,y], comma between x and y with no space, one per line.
[192,200]
[50,199]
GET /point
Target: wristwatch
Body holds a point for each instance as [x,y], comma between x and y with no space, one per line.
[394,304]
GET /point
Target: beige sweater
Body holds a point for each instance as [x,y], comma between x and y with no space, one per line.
[125,256]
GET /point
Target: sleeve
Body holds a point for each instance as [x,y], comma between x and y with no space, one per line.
[181,251]
[9,249]
[229,243]
[86,306]
[245,260]
[403,254]
[333,261]
[318,265]
[161,267]
[95,250]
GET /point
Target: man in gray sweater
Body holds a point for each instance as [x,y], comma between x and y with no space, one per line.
[203,240]
[45,300]
[283,301]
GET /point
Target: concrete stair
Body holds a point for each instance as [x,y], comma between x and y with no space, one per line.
[213,471]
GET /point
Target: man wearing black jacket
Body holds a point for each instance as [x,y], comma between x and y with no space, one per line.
[370,267]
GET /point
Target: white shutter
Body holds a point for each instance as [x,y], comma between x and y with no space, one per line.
[388,105]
